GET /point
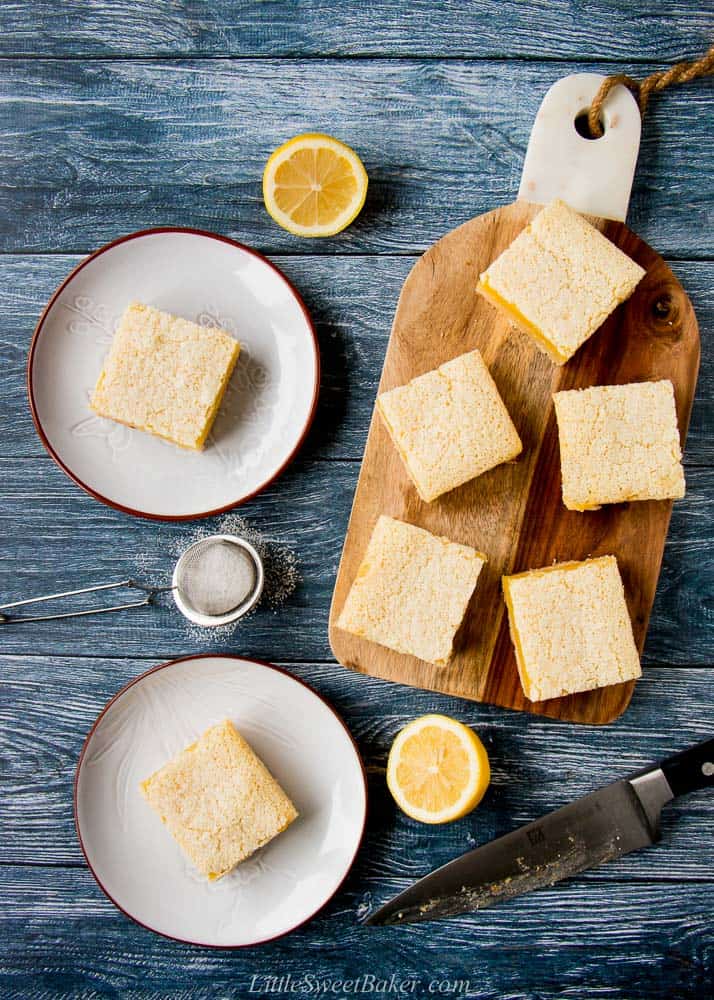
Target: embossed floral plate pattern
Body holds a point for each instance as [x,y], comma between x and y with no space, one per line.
[304,744]
[268,405]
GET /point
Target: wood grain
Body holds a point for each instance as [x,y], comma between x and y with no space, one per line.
[351,300]
[514,513]
[55,537]
[547,944]
[657,901]
[93,146]
[434,28]
[56,699]
[92,150]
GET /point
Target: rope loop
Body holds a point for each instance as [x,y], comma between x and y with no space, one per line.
[642,90]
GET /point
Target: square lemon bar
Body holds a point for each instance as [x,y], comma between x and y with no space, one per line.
[165,375]
[219,801]
[559,280]
[570,628]
[449,425]
[618,443]
[411,590]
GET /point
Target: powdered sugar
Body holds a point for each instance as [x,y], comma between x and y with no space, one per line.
[279,563]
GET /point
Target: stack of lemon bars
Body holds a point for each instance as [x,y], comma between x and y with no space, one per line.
[557,282]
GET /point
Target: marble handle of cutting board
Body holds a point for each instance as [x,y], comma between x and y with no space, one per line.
[593,176]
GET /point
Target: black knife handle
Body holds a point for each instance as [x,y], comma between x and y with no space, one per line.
[692,769]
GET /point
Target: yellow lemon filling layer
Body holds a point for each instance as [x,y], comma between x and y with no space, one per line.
[521,321]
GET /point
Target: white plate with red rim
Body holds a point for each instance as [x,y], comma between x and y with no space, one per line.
[304,744]
[269,403]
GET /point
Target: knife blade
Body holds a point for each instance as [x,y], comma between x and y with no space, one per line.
[604,825]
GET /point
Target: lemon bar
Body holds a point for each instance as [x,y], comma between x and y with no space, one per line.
[411,590]
[570,628]
[165,375]
[449,425]
[618,443]
[559,280]
[219,801]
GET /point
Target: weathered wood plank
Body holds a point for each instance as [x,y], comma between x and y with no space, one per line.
[424,27]
[55,537]
[92,150]
[576,939]
[352,300]
[47,705]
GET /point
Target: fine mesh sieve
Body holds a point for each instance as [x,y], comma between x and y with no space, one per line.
[216,581]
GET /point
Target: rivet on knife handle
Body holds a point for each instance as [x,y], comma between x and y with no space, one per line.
[692,769]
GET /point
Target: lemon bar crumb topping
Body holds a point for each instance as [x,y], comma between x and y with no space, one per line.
[411,590]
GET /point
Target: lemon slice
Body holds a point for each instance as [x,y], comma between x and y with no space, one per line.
[438,769]
[314,185]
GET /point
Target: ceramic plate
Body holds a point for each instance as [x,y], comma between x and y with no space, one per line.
[269,402]
[304,744]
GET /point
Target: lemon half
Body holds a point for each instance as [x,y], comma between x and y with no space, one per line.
[438,769]
[314,185]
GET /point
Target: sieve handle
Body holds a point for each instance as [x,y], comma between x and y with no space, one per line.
[150,593]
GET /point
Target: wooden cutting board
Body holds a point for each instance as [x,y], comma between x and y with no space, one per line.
[514,513]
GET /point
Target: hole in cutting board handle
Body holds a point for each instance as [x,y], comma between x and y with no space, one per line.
[583,129]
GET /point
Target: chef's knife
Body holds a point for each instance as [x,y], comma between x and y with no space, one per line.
[603,825]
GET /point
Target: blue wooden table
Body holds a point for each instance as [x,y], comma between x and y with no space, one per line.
[119,115]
